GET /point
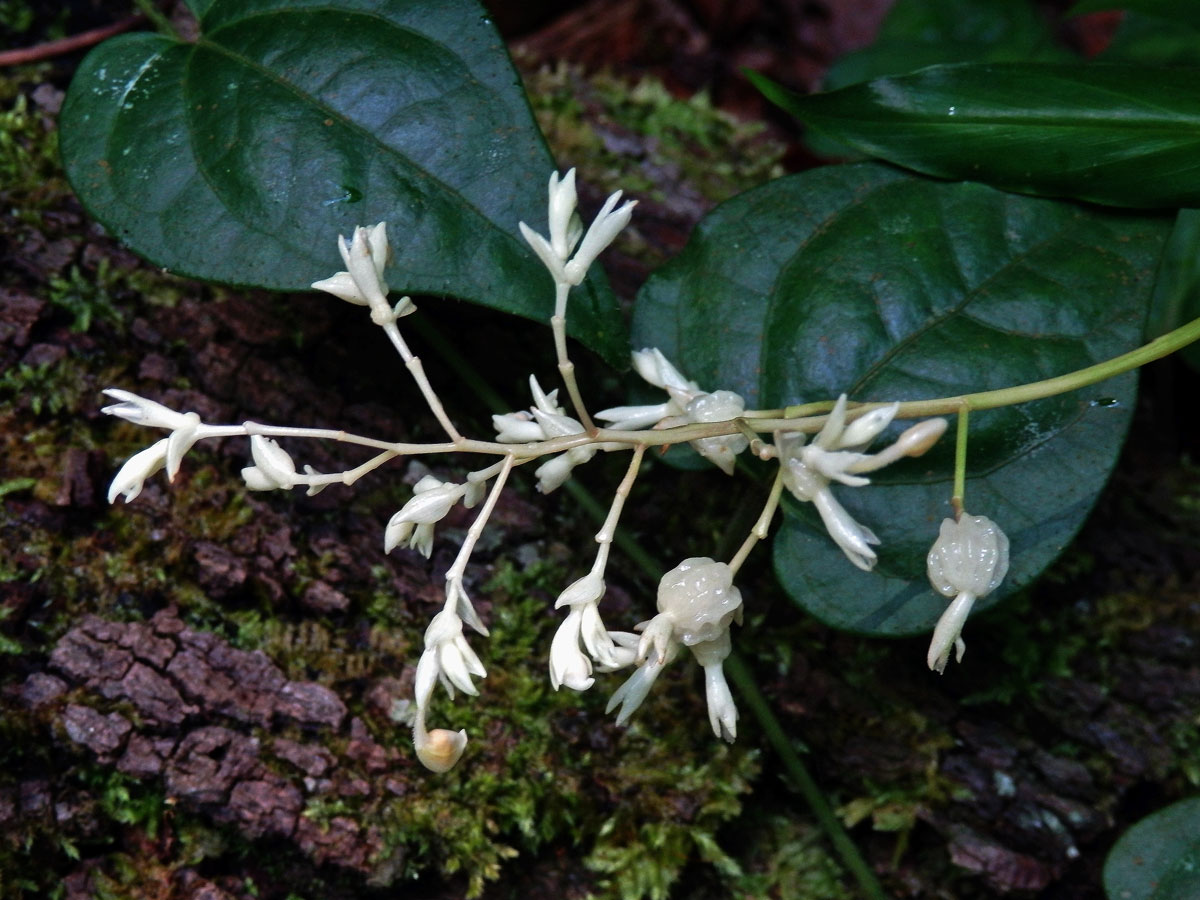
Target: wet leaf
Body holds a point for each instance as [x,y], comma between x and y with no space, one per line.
[886,286]
[1116,134]
[239,158]
[1159,857]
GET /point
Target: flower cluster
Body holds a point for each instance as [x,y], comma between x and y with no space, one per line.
[836,454]
[697,601]
[687,404]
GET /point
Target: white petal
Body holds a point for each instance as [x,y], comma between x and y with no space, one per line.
[180,442]
[272,460]
[853,538]
[544,252]
[633,692]
[562,207]
[427,676]
[722,712]
[342,286]
[828,437]
[859,433]
[948,632]
[131,476]
[587,590]
[604,228]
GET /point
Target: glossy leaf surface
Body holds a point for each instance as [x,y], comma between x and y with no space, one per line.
[920,33]
[1114,134]
[886,286]
[1158,858]
[240,157]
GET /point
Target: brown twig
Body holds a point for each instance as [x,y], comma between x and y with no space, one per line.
[50,49]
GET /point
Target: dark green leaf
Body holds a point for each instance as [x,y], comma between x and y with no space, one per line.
[920,33]
[241,157]
[1151,41]
[199,7]
[1159,857]
[1121,135]
[866,280]
[1171,10]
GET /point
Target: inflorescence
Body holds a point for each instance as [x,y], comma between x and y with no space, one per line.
[697,600]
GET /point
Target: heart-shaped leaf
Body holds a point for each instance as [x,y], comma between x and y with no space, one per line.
[1159,857]
[890,287]
[1121,135]
[240,157]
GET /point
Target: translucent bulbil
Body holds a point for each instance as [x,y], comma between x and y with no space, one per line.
[969,556]
[699,598]
[968,561]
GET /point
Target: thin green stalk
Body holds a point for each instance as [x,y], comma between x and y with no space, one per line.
[845,848]
[960,461]
[1021,393]
[161,23]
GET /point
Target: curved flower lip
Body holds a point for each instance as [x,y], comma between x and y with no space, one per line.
[273,467]
[132,476]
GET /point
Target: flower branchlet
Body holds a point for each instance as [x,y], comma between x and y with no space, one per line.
[697,601]
[968,561]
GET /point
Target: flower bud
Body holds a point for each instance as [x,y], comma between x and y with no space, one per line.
[917,440]
[439,750]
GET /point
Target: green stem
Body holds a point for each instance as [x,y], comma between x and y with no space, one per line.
[161,23]
[753,700]
[960,461]
[1022,393]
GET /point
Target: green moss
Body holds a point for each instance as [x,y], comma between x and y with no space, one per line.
[29,171]
[533,774]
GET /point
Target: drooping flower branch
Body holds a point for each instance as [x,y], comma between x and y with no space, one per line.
[818,449]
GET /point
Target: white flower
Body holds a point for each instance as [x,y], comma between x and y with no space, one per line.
[836,455]
[365,256]
[967,561]
[568,664]
[137,469]
[185,428]
[697,602]
[564,234]
[545,420]
[447,658]
[722,712]
[141,411]
[273,467]
[719,406]
[431,501]
[517,428]
[553,473]
[687,404]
